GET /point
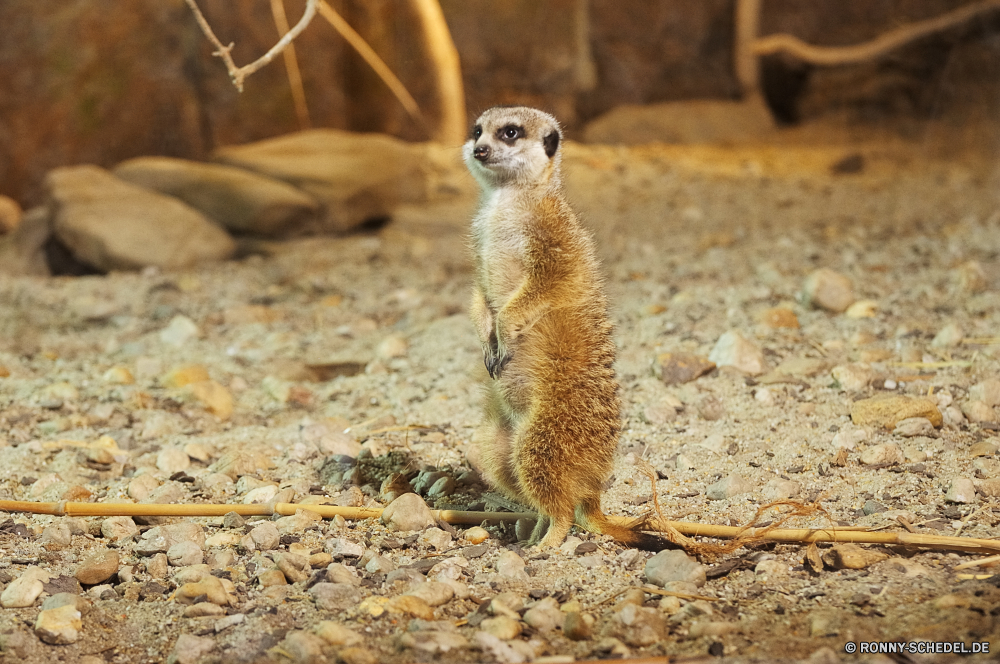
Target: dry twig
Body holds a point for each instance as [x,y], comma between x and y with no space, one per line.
[291,66]
[876,48]
[741,535]
[239,74]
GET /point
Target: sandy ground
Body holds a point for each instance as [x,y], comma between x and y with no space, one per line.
[695,241]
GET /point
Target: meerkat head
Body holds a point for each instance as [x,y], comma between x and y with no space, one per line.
[513,145]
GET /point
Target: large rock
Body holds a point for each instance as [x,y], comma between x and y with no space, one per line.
[22,251]
[356,177]
[111,224]
[239,200]
[691,121]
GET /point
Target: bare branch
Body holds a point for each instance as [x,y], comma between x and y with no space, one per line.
[239,74]
[445,70]
[291,66]
[372,58]
[843,55]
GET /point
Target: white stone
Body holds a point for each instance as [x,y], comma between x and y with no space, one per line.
[734,350]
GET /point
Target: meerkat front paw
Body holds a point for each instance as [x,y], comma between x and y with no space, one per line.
[495,362]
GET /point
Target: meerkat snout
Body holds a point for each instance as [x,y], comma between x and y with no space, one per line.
[481,152]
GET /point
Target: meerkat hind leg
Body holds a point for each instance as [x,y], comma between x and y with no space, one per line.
[558,529]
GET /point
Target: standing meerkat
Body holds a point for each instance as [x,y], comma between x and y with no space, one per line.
[551,424]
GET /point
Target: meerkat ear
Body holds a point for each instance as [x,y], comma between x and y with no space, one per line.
[551,143]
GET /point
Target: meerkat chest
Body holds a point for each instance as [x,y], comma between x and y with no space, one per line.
[501,249]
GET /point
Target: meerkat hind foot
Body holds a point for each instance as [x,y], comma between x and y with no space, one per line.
[557,531]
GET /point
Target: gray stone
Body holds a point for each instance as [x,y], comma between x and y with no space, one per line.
[335,596]
[239,200]
[978,412]
[379,564]
[672,566]
[436,538]
[57,534]
[110,224]
[356,177]
[639,626]
[265,536]
[183,554]
[727,487]
[915,426]
[408,512]
[544,616]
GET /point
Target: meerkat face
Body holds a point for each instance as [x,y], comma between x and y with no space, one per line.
[513,145]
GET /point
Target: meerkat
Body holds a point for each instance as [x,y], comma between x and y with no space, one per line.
[552,409]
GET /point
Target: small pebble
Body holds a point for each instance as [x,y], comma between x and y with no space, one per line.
[887,410]
[882,454]
[265,536]
[357,655]
[674,565]
[734,350]
[184,553]
[961,491]
[502,627]
[853,377]
[827,289]
[948,337]
[729,486]
[117,528]
[25,589]
[179,332]
[157,565]
[190,649]
[337,634]
[510,567]
[271,577]
[411,605]
[434,593]
[987,391]
[578,626]
[432,641]
[978,412]
[335,596]
[98,567]
[408,512]
[57,535]
[435,538]
[204,610]
[59,626]
[914,426]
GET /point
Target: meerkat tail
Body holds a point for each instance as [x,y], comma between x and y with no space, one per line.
[595,520]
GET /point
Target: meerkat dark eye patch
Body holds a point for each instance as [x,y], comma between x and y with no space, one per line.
[551,143]
[476,132]
[510,133]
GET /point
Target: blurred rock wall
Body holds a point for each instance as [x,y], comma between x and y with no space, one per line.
[101,81]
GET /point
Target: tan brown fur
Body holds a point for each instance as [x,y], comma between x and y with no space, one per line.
[551,424]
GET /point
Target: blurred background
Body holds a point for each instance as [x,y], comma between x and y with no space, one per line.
[99,82]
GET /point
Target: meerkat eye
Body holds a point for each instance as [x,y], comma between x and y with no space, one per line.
[477,131]
[510,133]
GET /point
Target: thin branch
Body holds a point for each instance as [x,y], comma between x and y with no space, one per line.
[371,57]
[876,48]
[445,71]
[239,74]
[291,66]
[800,535]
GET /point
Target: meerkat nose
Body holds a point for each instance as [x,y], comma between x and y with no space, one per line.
[481,152]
